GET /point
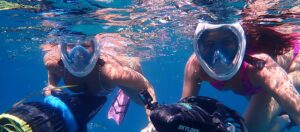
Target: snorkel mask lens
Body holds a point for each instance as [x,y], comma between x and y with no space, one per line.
[79,56]
[220,49]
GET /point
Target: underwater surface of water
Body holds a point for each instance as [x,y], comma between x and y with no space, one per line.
[161,34]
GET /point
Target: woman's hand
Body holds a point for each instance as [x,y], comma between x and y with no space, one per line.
[48,90]
[149,128]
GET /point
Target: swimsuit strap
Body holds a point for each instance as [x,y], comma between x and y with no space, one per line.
[248,87]
[218,84]
[296,44]
[296,48]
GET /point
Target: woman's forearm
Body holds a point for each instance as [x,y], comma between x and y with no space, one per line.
[277,83]
[282,89]
[53,79]
[288,98]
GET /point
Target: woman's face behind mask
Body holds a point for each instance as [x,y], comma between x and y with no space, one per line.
[220,50]
[218,47]
[79,56]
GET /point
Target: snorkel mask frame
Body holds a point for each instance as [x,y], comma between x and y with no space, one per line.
[92,62]
[237,29]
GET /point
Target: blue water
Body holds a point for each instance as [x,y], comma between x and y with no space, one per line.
[22,71]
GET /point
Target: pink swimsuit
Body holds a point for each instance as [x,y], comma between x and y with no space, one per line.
[249,89]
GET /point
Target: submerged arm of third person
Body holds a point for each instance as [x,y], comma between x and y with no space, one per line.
[277,83]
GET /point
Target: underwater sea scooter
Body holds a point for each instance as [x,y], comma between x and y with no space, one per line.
[193,114]
[58,113]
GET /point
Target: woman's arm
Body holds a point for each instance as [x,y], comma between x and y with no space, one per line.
[128,79]
[276,81]
[131,82]
[51,61]
[192,79]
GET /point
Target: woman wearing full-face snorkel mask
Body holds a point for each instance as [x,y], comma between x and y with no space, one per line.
[84,62]
[227,56]
[271,59]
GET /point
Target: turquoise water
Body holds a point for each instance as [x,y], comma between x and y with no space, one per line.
[164,49]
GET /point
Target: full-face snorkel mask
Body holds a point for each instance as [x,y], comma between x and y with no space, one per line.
[220,49]
[79,55]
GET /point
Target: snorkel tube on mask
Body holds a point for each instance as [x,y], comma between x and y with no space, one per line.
[216,59]
[79,55]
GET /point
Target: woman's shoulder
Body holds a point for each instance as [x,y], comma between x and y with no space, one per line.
[262,56]
[193,60]
[193,63]
[193,68]
[259,73]
[120,61]
[51,56]
[256,62]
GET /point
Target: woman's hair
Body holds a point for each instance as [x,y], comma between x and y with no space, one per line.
[268,32]
[262,39]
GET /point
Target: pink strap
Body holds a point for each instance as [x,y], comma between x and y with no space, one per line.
[218,84]
[296,47]
[249,89]
[119,107]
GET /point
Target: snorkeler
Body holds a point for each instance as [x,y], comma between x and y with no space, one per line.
[82,61]
[233,57]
